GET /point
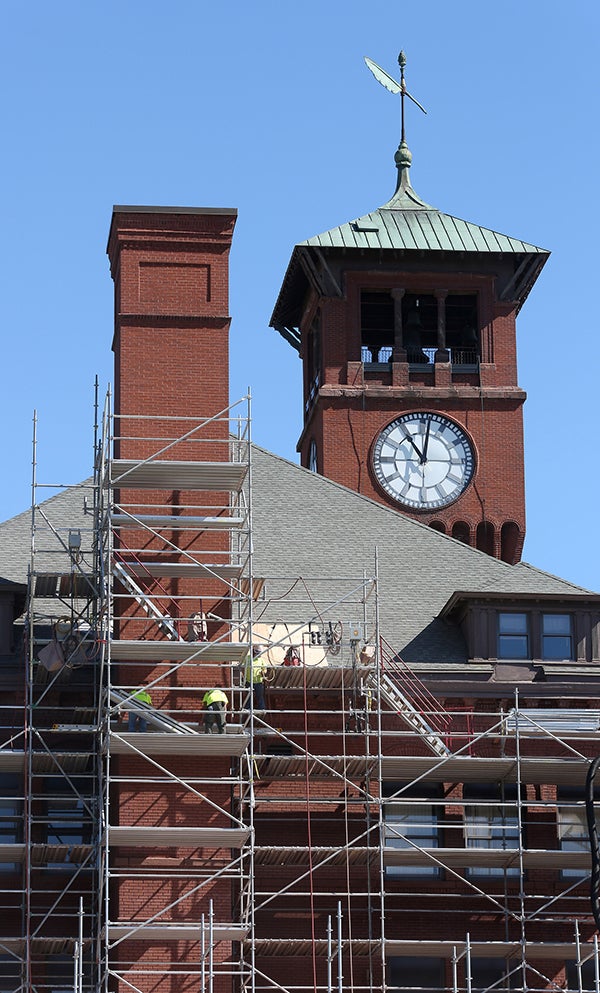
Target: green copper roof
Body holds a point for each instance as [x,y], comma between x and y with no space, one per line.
[404,224]
[418,229]
[407,222]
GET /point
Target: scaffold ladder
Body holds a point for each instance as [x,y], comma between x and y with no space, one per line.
[397,701]
[164,622]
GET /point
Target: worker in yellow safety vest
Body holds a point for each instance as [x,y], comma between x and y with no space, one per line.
[216,703]
[254,676]
[137,720]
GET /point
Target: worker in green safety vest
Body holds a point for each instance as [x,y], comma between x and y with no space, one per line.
[137,720]
[216,703]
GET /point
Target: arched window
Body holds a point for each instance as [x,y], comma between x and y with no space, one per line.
[509,542]
[462,532]
[485,537]
[438,526]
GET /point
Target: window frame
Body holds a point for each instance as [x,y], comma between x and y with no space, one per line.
[487,806]
[514,634]
[421,837]
[561,657]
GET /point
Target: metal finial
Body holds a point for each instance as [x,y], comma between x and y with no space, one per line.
[402,155]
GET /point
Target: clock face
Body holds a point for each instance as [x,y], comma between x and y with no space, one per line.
[423,460]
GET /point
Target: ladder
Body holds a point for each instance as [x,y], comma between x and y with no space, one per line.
[155,718]
[165,623]
[397,701]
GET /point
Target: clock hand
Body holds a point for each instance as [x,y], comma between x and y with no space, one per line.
[426,441]
[408,437]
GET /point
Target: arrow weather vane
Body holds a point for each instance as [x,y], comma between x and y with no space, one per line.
[393,86]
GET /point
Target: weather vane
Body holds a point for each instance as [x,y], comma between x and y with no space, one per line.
[393,86]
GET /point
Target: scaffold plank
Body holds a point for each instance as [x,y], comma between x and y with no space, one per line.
[12,853]
[175,475]
[301,947]
[54,760]
[139,931]
[11,761]
[180,522]
[487,949]
[493,858]
[178,837]
[181,570]
[406,768]
[475,769]
[60,853]
[302,855]
[320,767]
[156,743]
[179,651]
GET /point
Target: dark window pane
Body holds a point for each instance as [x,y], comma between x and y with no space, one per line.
[494,974]
[417,822]
[557,642]
[556,648]
[513,647]
[588,975]
[512,623]
[416,974]
[513,639]
[556,624]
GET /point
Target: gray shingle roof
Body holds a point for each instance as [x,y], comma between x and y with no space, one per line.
[308,526]
[65,510]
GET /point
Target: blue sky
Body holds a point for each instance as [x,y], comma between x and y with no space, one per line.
[268,107]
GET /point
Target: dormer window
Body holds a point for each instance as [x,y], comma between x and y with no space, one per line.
[552,640]
[557,639]
[513,636]
[527,627]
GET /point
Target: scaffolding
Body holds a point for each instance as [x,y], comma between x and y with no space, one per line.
[351,834]
[174,529]
[61,827]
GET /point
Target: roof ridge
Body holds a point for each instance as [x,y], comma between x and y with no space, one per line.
[552,575]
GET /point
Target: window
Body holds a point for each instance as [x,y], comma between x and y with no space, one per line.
[418,974]
[11,811]
[377,326]
[60,972]
[462,532]
[10,970]
[513,636]
[65,824]
[557,642]
[494,975]
[410,823]
[313,364]
[525,636]
[588,975]
[573,837]
[462,322]
[491,823]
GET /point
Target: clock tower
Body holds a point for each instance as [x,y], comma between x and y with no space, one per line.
[405,323]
